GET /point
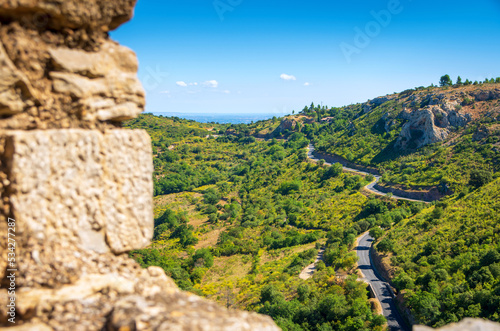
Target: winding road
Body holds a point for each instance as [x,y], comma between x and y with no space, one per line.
[381,289]
[370,187]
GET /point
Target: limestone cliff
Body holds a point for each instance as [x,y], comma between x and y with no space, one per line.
[75,187]
[432,116]
[286,124]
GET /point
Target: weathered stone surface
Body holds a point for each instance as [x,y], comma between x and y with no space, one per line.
[141,299]
[105,82]
[128,189]
[65,78]
[430,124]
[70,184]
[420,130]
[487,95]
[286,124]
[15,89]
[380,100]
[58,14]
[467,324]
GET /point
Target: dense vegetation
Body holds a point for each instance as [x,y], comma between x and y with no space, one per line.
[448,258]
[244,238]
[238,217]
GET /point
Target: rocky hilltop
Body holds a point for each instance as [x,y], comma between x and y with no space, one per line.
[76,189]
[431,116]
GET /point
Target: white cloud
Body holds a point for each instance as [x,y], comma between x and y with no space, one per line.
[226,91]
[167,93]
[287,77]
[307,84]
[210,83]
[191,84]
[181,83]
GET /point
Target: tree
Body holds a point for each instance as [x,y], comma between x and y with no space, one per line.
[445,81]
[376,232]
[374,206]
[402,281]
[425,305]
[385,245]
[211,196]
[271,294]
[288,187]
[302,155]
[459,81]
[185,234]
[202,258]
[303,292]
[479,178]
[333,171]
[333,307]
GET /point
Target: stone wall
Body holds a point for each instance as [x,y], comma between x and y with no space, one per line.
[76,185]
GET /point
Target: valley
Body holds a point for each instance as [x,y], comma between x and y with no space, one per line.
[238,217]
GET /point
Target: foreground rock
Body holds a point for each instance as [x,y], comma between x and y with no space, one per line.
[467,324]
[75,187]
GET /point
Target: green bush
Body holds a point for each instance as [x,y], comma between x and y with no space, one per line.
[480,177]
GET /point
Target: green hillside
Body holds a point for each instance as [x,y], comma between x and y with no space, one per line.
[370,133]
[447,258]
[237,217]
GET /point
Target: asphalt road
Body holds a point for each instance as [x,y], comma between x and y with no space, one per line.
[381,288]
[370,187]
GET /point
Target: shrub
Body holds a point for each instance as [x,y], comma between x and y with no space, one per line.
[386,245]
[303,292]
[202,258]
[479,178]
[185,234]
[271,294]
[211,196]
[403,281]
[288,187]
[376,233]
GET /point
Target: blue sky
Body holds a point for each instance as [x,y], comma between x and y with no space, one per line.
[255,56]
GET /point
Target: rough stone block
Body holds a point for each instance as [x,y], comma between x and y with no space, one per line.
[58,14]
[82,185]
[105,82]
[15,90]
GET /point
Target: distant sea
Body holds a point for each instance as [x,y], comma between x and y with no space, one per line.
[221,118]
